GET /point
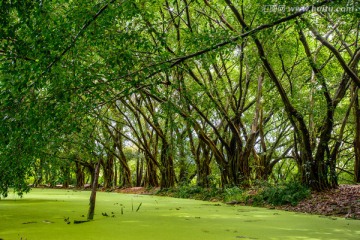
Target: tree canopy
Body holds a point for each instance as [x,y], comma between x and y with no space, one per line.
[163,92]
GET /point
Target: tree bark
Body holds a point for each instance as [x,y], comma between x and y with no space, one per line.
[357,136]
[91,211]
[80,176]
[311,176]
[151,178]
[245,157]
[66,176]
[167,167]
[203,165]
[139,170]
[108,171]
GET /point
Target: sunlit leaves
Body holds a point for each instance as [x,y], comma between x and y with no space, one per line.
[58,79]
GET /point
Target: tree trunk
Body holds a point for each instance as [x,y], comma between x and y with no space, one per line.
[245,169]
[139,171]
[115,175]
[125,173]
[357,137]
[151,178]
[91,211]
[203,165]
[91,170]
[108,171]
[337,145]
[167,167]
[66,176]
[80,176]
[183,168]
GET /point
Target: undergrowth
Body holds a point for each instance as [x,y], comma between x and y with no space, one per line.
[193,192]
[259,195]
[289,193]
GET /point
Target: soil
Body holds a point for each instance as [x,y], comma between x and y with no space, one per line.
[138,190]
[341,202]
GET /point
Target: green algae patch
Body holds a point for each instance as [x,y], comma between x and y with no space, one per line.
[50,214]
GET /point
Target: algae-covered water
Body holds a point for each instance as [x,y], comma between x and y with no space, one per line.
[42,214]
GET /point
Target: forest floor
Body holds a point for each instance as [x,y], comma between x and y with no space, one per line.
[139,190]
[341,202]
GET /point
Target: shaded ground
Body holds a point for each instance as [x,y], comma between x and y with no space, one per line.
[341,202]
[138,190]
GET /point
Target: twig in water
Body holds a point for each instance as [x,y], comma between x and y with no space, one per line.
[138,207]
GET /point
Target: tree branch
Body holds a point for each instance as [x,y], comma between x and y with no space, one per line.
[78,35]
[179,60]
[337,54]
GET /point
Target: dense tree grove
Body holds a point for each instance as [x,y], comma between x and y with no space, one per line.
[170,92]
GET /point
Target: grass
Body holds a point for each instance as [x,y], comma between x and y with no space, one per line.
[40,215]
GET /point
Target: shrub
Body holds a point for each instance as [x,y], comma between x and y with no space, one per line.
[260,194]
[288,193]
[187,191]
[192,191]
[234,194]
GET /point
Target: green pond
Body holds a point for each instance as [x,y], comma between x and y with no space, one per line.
[41,213]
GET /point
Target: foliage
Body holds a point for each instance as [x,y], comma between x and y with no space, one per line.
[193,192]
[199,93]
[288,193]
[235,194]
